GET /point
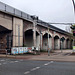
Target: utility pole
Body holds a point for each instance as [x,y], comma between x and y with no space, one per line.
[48,43]
[35,19]
[73,5]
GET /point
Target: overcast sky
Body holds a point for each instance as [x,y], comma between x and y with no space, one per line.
[54,11]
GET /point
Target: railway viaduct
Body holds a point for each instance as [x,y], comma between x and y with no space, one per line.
[17,29]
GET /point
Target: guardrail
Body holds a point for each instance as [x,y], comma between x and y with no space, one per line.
[13,11]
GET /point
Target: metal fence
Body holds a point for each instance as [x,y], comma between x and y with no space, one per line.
[8,9]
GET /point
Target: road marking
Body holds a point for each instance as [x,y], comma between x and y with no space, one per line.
[27,72]
[21,60]
[45,64]
[4,63]
[51,61]
[2,60]
[32,70]
[16,61]
[48,63]
[0,64]
[35,68]
[11,61]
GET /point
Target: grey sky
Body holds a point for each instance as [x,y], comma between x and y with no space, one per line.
[46,10]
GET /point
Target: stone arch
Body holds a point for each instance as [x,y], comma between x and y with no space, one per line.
[29,39]
[71,43]
[56,42]
[28,29]
[44,32]
[63,36]
[46,41]
[62,42]
[56,34]
[67,43]
[5,38]
[32,29]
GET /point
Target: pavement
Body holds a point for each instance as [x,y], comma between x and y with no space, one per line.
[57,55]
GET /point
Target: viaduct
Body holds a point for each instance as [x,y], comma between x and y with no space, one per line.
[17,29]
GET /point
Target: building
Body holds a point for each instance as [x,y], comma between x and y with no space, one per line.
[18,29]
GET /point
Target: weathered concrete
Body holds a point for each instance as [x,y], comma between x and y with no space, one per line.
[27,32]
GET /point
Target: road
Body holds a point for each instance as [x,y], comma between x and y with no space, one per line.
[30,67]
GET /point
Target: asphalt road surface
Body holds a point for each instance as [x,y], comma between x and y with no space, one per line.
[29,67]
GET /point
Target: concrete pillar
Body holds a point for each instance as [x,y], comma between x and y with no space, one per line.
[52,43]
[48,40]
[68,44]
[65,44]
[38,40]
[73,42]
[41,41]
[34,33]
[58,43]
[17,32]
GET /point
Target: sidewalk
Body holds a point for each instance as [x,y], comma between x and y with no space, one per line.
[56,56]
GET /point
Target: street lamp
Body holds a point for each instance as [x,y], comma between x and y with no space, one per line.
[48,43]
[35,19]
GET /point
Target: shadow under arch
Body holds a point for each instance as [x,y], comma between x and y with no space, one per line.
[67,43]
[5,39]
[47,43]
[56,42]
[28,38]
[62,43]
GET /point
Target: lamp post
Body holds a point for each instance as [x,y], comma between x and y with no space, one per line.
[48,43]
[35,19]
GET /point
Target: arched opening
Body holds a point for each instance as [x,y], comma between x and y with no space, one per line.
[45,41]
[56,42]
[5,39]
[71,43]
[62,43]
[67,43]
[28,39]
